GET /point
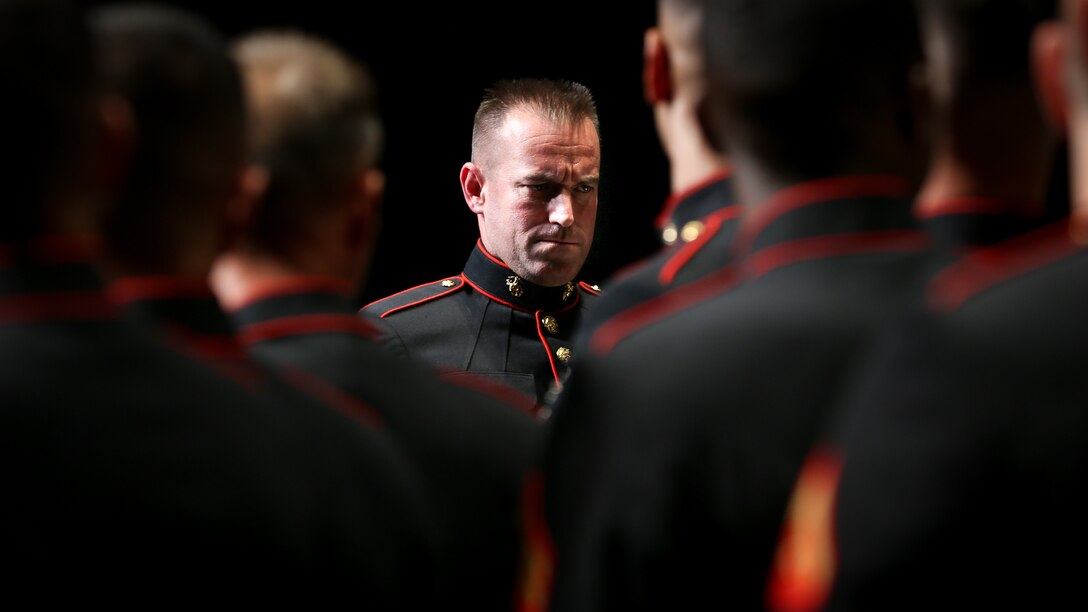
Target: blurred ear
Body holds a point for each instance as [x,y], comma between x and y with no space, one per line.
[1048,55]
[656,76]
[252,184]
[472,185]
[115,142]
[366,207]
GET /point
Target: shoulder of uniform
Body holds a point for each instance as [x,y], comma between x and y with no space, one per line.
[588,288]
[414,296]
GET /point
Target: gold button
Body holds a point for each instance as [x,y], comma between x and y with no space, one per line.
[550,324]
[692,230]
[669,234]
[448,283]
[563,353]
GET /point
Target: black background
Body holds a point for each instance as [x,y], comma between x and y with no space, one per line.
[432,62]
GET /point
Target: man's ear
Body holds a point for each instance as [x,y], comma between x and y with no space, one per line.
[656,75]
[115,141]
[472,185]
[366,207]
[252,184]
[1048,55]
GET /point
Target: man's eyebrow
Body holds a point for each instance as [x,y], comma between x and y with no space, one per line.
[540,177]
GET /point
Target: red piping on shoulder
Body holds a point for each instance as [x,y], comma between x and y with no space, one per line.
[459,280]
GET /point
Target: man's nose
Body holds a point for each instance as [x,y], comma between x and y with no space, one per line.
[562,209]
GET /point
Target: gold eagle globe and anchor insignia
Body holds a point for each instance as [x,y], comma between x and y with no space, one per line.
[513,284]
[568,290]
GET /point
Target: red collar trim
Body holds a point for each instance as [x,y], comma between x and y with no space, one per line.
[927,209]
[813,192]
[676,197]
[292,285]
[58,248]
[496,260]
[989,266]
[138,288]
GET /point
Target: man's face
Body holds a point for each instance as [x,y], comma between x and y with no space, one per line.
[539,196]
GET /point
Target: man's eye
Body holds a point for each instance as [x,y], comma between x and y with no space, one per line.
[585,188]
[538,187]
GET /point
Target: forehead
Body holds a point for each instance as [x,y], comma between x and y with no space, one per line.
[531,134]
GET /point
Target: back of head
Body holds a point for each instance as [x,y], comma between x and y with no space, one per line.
[563,102]
[811,88]
[47,105]
[177,74]
[981,46]
[314,126]
[991,136]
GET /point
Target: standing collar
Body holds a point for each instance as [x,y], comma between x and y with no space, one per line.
[180,303]
[299,305]
[295,296]
[498,282]
[847,205]
[684,209]
[51,278]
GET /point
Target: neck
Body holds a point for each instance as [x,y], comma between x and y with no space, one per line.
[236,274]
[691,159]
[1018,174]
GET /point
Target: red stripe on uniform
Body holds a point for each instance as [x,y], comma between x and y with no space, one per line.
[306,324]
[813,192]
[988,266]
[674,199]
[138,288]
[44,307]
[819,247]
[292,286]
[686,252]
[640,315]
[459,280]
[332,396]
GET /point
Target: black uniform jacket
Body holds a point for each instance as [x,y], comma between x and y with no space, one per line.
[375,516]
[681,217]
[956,476]
[489,322]
[968,223]
[471,448]
[677,438]
[704,247]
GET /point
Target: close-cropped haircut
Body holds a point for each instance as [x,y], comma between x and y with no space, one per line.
[314,124]
[176,71]
[186,92]
[564,102]
[989,40]
[801,82]
[46,104]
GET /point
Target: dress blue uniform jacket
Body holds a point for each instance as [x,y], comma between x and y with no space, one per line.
[677,438]
[472,449]
[487,321]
